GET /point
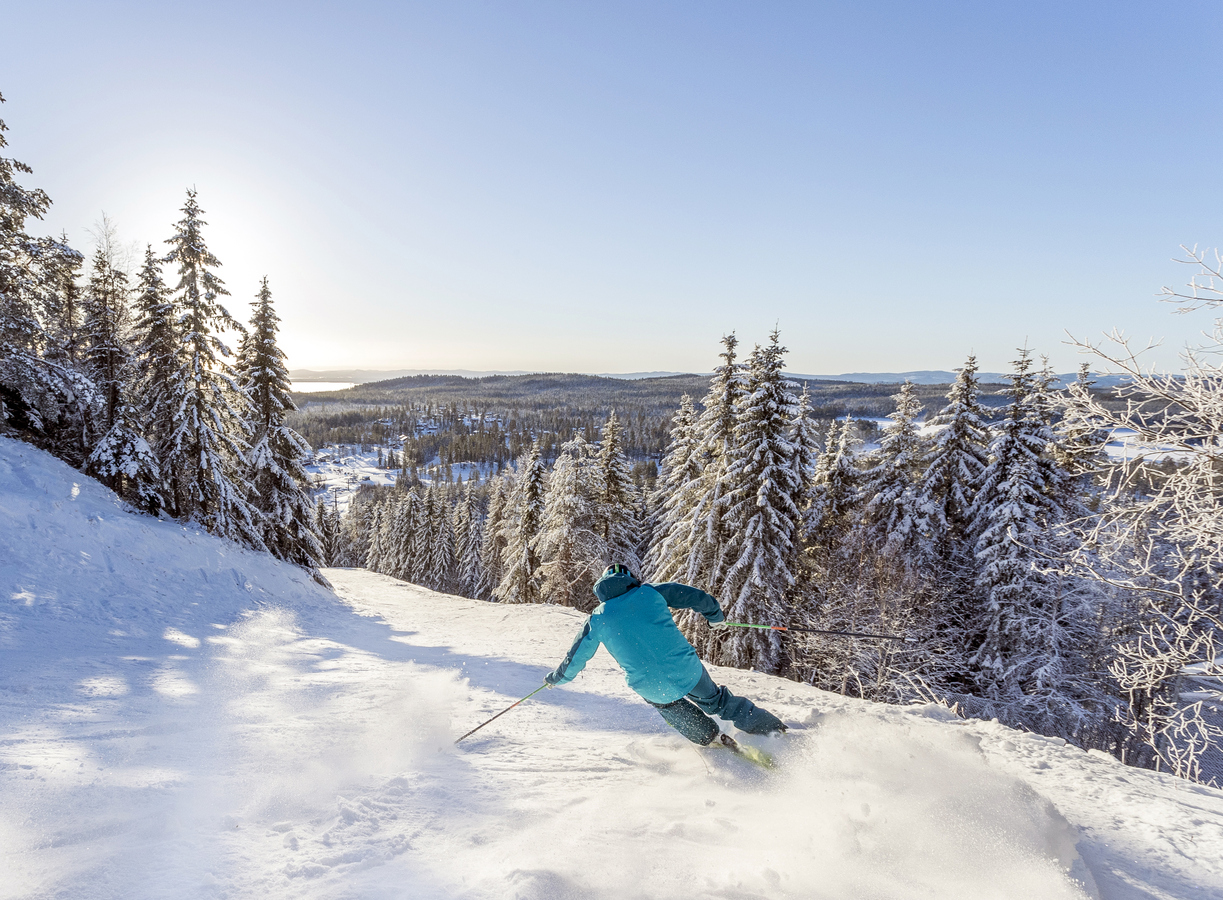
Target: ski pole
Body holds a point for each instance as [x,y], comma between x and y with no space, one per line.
[863,634]
[504,711]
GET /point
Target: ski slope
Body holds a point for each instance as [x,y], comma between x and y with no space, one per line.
[180,718]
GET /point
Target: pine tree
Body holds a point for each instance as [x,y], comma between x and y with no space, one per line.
[572,546]
[63,303]
[615,499]
[275,472]
[105,324]
[419,542]
[40,394]
[120,456]
[957,458]
[1013,517]
[681,467]
[355,533]
[702,504]
[155,352]
[492,549]
[398,541]
[894,519]
[441,541]
[123,460]
[805,461]
[390,538]
[762,516]
[1078,439]
[327,524]
[22,337]
[835,492]
[204,457]
[468,532]
[520,580]
[375,554]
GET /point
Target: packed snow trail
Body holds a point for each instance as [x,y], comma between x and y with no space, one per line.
[179,718]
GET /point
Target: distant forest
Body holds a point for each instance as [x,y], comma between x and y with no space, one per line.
[491,420]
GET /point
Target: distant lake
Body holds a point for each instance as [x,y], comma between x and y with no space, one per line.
[314,387]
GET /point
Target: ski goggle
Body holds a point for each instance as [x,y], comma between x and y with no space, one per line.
[616,569]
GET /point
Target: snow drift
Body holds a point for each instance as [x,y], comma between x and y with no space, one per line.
[179,717]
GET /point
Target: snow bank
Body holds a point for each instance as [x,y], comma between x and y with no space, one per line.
[180,718]
[161,690]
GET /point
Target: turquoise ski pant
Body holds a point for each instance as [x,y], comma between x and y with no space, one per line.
[690,715]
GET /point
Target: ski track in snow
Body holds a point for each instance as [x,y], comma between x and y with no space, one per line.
[181,718]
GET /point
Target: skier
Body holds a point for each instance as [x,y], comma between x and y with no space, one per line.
[634,622]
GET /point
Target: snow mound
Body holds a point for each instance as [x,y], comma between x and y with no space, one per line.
[181,718]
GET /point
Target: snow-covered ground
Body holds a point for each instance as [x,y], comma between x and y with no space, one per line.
[337,472]
[1124,444]
[180,718]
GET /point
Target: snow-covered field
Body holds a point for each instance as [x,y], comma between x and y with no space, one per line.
[183,719]
[337,472]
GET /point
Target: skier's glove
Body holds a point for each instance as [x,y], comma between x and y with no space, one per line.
[552,678]
[719,627]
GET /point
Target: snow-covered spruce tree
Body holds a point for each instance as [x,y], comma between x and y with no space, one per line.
[1064,486]
[643,519]
[42,396]
[204,457]
[375,554]
[805,438]
[397,529]
[419,541]
[525,511]
[275,473]
[615,499]
[1010,520]
[1080,440]
[155,351]
[104,329]
[441,541]
[701,504]
[327,523]
[1027,637]
[120,456]
[893,517]
[834,494]
[355,529]
[392,539]
[761,516]
[468,534]
[492,547]
[572,548]
[428,534]
[804,435]
[681,466]
[63,302]
[958,456]
[416,541]
[123,460]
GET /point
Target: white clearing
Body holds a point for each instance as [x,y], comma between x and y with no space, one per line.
[183,719]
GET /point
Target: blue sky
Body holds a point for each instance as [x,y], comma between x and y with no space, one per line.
[612,186]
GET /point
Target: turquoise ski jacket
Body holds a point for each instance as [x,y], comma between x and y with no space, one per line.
[634,623]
